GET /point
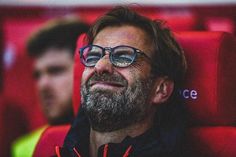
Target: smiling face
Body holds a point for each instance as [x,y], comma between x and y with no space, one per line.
[113,97]
[53,72]
[114,36]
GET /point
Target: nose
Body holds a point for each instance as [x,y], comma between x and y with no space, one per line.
[104,65]
[43,82]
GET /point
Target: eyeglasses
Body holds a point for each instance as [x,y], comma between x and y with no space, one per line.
[120,56]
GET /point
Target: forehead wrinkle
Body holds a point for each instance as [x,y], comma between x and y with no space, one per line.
[129,35]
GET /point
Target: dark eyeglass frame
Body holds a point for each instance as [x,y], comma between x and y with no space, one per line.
[111,51]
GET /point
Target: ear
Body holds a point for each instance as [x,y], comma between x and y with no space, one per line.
[163,90]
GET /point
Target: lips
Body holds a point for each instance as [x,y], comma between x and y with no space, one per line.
[47,99]
[105,85]
[106,81]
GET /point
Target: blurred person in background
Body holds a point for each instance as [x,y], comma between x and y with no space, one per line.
[52,48]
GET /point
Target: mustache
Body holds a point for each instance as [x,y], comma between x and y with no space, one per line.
[46,93]
[105,77]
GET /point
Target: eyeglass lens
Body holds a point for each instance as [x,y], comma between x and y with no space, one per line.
[120,56]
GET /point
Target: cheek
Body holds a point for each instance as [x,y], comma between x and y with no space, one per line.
[64,82]
[135,73]
[64,88]
[130,75]
[87,73]
[143,71]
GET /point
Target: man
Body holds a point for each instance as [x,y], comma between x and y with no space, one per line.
[53,48]
[134,69]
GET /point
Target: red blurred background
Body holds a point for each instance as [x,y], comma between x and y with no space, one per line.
[19,109]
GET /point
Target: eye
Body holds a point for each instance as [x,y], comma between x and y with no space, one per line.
[92,58]
[56,70]
[92,54]
[123,55]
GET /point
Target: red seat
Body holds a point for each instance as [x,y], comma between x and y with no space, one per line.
[211,76]
[210,95]
[178,20]
[15,76]
[211,141]
[20,111]
[51,137]
[225,24]
[13,122]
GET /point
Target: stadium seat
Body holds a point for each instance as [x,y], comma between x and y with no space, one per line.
[13,123]
[20,109]
[15,76]
[178,20]
[225,24]
[209,93]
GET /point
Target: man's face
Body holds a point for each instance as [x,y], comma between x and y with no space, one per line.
[53,72]
[114,98]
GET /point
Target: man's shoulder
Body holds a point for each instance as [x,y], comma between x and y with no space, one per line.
[26,143]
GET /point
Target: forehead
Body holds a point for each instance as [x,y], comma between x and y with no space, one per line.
[122,35]
[53,57]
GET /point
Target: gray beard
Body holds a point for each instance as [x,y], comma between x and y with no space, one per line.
[109,111]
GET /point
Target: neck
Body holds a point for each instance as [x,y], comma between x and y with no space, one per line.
[98,139]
